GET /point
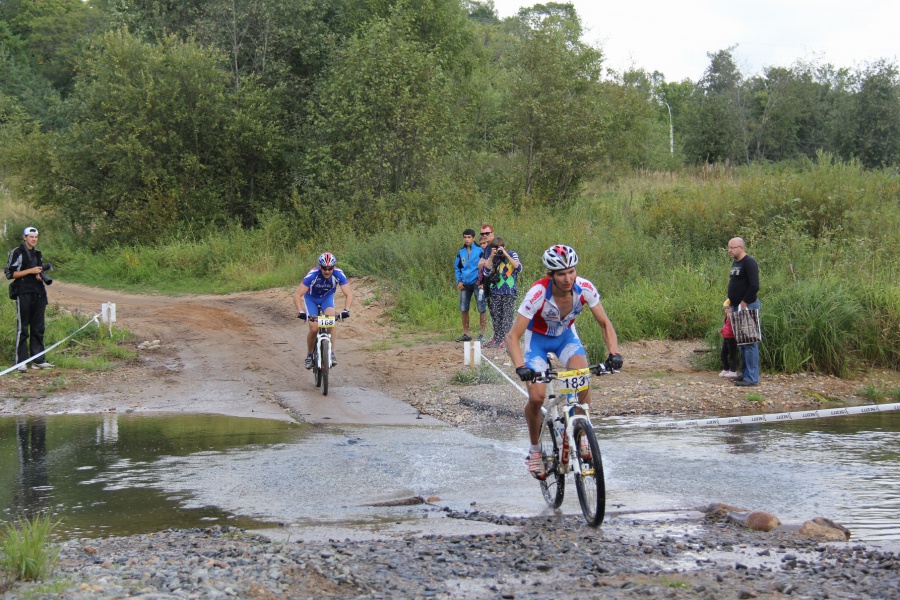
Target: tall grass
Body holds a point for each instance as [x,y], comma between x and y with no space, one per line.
[26,549]
[824,232]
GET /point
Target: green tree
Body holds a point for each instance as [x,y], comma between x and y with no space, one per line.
[483,12]
[876,135]
[54,32]
[638,120]
[441,26]
[557,114]
[382,118]
[157,137]
[716,127]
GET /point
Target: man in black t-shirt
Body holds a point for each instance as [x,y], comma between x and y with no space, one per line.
[743,288]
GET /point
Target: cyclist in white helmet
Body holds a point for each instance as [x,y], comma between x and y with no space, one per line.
[546,319]
[316,292]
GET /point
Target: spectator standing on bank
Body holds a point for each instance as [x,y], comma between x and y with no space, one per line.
[500,278]
[729,354]
[743,287]
[24,267]
[467,276]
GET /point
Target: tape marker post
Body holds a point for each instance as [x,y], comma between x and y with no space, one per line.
[94,319]
[743,420]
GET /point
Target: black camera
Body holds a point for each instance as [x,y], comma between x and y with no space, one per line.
[46,267]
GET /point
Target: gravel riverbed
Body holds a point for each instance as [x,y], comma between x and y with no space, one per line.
[536,558]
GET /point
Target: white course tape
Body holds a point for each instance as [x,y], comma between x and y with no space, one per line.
[25,362]
[519,387]
[769,418]
[746,419]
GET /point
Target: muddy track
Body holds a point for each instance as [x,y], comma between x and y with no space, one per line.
[236,354]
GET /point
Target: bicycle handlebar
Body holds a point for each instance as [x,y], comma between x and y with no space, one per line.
[314,318]
[551,374]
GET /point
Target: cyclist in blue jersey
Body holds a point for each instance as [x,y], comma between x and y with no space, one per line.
[316,293]
[546,320]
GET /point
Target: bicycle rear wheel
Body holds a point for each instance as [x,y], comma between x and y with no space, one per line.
[325,355]
[589,475]
[554,486]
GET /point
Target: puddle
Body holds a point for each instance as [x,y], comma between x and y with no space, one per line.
[98,473]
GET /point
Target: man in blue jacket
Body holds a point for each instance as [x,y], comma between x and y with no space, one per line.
[467,283]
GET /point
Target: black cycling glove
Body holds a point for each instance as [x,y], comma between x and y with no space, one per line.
[614,362]
[345,314]
[301,315]
[525,374]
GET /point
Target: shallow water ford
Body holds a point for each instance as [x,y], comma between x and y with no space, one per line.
[116,474]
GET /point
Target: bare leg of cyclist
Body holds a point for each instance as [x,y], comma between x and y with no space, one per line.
[579,361]
[533,415]
[534,418]
[311,337]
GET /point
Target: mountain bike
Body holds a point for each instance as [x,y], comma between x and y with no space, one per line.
[566,423]
[322,351]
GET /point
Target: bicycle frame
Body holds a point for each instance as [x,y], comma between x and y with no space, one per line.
[568,398]
[326,323]
[571,443]
[322,350]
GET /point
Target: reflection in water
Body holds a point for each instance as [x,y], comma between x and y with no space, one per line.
[59,464]
[741,440]
[32,481]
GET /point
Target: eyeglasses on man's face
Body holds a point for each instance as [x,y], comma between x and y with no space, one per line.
[486,232]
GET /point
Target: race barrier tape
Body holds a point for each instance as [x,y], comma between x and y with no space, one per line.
[770,417]
[518,387]
[25,362]
[742,420]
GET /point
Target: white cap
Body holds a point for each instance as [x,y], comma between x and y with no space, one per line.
[30,231]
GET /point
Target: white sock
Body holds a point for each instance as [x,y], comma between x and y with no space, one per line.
[535,448]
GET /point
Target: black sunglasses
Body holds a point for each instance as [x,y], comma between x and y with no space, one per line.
[486,232]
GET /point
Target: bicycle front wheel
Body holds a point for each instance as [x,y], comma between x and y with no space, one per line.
[325,356]
[589,474]
[317,372]
[554,486]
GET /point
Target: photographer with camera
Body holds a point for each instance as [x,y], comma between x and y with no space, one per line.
[500,273]
[26,269]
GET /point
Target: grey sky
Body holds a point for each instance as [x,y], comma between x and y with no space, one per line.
[674,37]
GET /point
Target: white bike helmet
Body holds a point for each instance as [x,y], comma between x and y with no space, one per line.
[559,257]
[327,259]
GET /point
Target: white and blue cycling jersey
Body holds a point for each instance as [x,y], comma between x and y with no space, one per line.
[321,287]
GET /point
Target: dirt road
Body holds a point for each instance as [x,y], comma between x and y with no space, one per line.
[238,354]
[241,354]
